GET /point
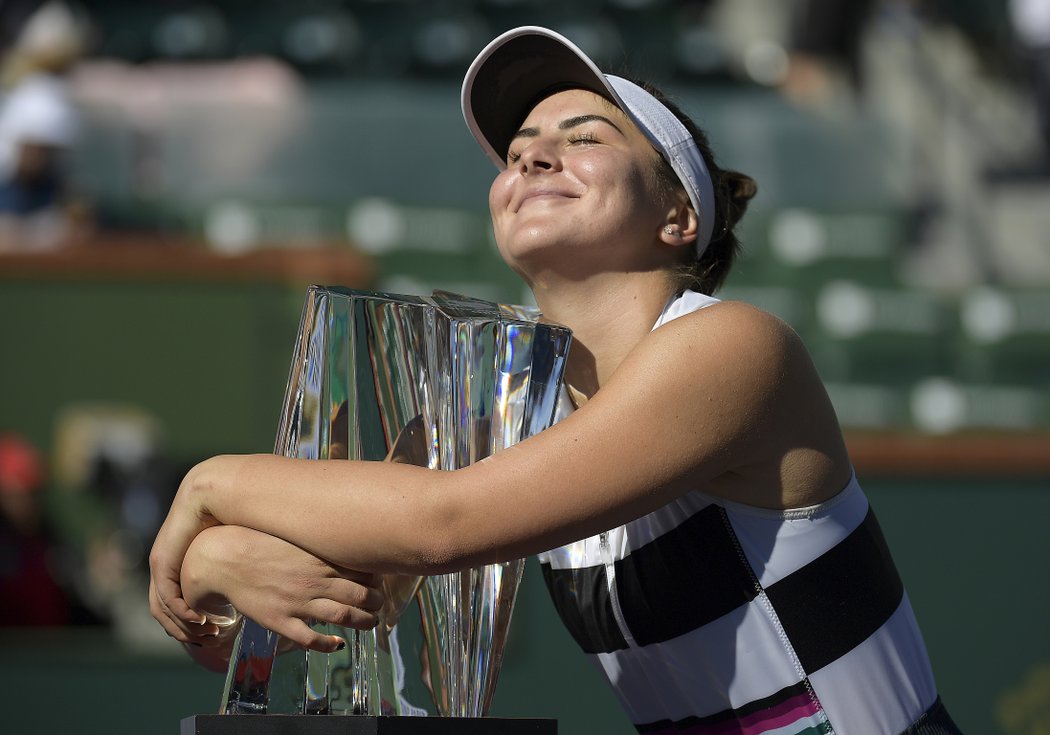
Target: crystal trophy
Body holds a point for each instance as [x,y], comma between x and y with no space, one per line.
[439,382]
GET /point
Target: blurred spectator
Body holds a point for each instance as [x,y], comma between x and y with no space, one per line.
[1031,25]
[112,485]
[38,124]
[30,594]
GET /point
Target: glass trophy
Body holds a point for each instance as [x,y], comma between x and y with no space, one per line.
[439,382]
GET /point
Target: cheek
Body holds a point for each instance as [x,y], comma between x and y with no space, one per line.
[499,200]
[614,175]
[590,167]
[500,191]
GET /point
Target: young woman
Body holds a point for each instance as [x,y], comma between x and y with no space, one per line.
[699,524]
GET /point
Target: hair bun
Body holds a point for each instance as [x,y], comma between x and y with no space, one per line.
[740,187]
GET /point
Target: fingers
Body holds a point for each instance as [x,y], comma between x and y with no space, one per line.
[168,595]
[165,584]
[168,623]
[176,627]
[299,632]
[348,616]
[331,600]
[178,608]
[346,603]
[367,598]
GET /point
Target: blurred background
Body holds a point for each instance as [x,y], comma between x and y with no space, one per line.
[173,175]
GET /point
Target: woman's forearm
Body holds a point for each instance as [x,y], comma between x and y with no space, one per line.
[371,516]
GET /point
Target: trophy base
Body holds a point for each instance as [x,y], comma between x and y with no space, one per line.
[362,725]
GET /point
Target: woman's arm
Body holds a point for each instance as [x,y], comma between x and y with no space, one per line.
[276,584]
[709,395]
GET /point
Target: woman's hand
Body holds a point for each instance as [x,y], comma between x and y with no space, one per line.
[275,583]
[186,518]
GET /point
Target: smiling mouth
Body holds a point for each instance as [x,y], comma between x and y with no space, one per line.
[544,194]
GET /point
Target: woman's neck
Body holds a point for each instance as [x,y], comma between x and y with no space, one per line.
[608,316]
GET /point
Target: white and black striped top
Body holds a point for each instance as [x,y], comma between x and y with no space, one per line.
[709,616]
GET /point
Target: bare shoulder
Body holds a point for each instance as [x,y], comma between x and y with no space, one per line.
[720,376]
[740,383]
[727,341]
[728,318]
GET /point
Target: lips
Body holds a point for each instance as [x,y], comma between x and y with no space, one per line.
[541,192]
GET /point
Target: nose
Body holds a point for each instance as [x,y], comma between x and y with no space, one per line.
[538,156]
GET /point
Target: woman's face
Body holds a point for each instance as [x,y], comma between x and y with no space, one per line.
[580,192]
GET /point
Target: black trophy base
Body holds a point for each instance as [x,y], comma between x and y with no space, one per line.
[362,725]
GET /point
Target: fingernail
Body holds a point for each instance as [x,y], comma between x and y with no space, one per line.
[340,646]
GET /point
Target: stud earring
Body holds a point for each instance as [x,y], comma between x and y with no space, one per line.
[670,230]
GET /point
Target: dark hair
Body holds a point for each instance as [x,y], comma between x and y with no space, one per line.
[733,190]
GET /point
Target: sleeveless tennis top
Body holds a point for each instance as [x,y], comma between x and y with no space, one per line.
[709,616]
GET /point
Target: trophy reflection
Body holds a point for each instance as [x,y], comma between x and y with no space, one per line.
[438,382]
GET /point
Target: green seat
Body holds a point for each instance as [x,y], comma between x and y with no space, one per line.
[1004,336]
[883,335]
[804,246]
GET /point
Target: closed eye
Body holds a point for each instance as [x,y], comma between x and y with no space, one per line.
[572,123]
[576,137]
[583,137]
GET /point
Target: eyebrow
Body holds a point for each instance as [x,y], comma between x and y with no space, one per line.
[566,124]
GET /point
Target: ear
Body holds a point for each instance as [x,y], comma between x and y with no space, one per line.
[681,225]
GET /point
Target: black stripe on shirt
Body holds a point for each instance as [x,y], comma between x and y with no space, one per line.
[686,578]
[839,599]
[581,597]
